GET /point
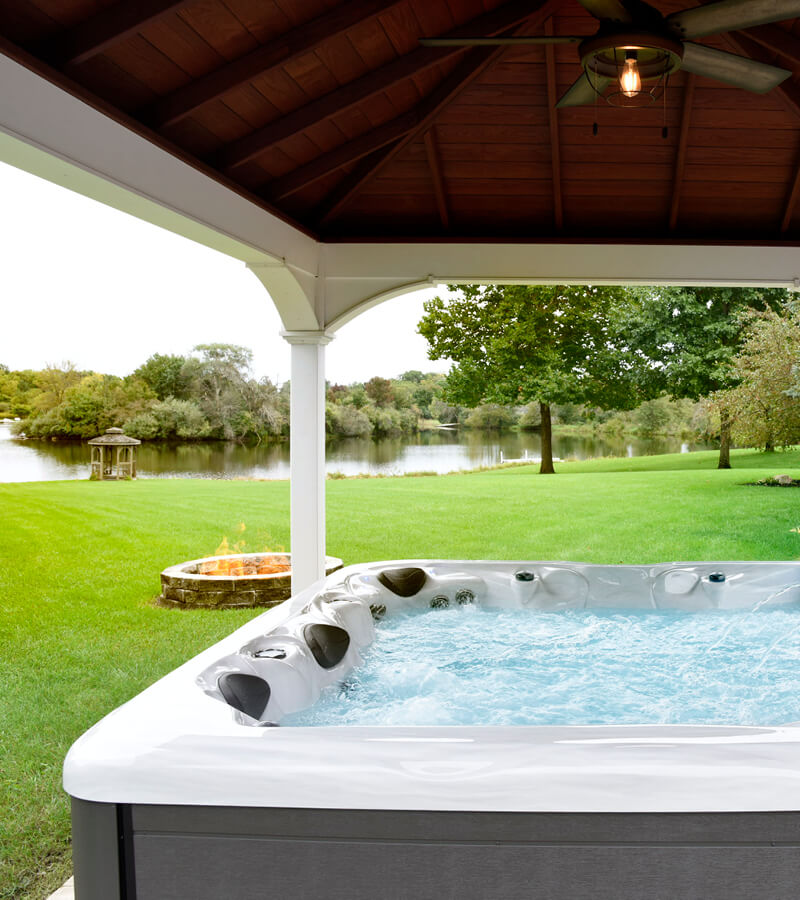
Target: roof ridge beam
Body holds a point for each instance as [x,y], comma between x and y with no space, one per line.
[343,98]
[284,48]
[96,34]
[474,63]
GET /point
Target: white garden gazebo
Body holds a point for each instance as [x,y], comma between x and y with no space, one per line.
[344,164]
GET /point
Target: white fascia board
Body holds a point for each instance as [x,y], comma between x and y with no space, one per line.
[359,276]
[48,132]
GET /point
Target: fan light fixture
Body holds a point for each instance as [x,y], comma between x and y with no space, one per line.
[630,81]
[628,60]
[638,65]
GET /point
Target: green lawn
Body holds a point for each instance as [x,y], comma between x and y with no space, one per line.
[79,564]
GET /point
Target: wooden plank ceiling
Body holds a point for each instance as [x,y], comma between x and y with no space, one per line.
[332,114]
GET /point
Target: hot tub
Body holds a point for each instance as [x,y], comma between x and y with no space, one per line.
[202,787]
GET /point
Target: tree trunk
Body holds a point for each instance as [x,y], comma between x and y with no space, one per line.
[546,467]
[724,440]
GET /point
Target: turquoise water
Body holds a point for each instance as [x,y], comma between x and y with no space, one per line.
[472,666]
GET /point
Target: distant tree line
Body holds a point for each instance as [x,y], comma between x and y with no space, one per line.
[712,363]
[210,394]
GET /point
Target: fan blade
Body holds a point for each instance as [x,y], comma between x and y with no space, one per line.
[582,93]
[499,42]
[613,10]
[731,15]
[731,69]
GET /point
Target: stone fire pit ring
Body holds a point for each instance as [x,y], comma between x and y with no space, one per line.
[186,586]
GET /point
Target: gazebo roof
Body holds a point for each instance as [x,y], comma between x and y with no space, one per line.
[333,115]
[114,437]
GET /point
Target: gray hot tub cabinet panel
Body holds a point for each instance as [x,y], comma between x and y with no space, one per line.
[208,853]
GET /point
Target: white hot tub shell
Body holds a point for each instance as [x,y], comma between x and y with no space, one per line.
[190,789]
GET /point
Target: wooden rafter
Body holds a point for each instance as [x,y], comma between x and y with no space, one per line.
[412,122]
[347,96]
[343,155]
[419,118]
[788,92]
[275,53]
[552,117]
[349,184]
[435,166]
[680,156]
[791,201]
[107,27]
[775,38]
[474,63]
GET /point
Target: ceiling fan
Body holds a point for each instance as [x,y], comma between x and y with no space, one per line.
[636,46]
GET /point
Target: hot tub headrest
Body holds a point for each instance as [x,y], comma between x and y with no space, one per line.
[403,582]
[328,643]
[247,693]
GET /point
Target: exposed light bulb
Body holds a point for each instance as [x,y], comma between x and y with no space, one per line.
[630,81]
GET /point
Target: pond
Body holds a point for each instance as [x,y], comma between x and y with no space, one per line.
[440,451]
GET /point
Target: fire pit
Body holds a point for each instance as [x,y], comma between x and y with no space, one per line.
[235,580]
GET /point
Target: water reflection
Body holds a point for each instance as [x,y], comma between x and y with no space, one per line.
[440,451]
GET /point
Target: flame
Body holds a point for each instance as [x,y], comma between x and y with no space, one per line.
[255,564]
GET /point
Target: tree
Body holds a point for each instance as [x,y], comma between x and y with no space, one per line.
[169,375]
[380,391]
[515,344]
[53,383]
[223,372]
[683,341]
[765,413]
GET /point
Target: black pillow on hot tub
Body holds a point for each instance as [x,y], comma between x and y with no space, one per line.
[403,582]
[247,693]
[327,643]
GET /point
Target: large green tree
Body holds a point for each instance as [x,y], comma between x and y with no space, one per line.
[683,341]
[519,344]
[765,411]
[169,375]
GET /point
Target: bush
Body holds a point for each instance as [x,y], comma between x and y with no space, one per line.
[390,422]
[347,421]
[491,416]
[168,420]
[653,416]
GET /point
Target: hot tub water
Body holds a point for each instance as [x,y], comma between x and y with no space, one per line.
[474,666]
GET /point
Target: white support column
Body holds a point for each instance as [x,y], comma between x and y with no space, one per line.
[307,447]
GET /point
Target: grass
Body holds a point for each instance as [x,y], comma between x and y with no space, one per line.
[79,564]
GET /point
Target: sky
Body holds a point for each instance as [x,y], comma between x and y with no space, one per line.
[85,283]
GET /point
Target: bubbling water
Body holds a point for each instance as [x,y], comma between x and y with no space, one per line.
[473,666]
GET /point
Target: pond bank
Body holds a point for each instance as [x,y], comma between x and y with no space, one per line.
[437,451]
